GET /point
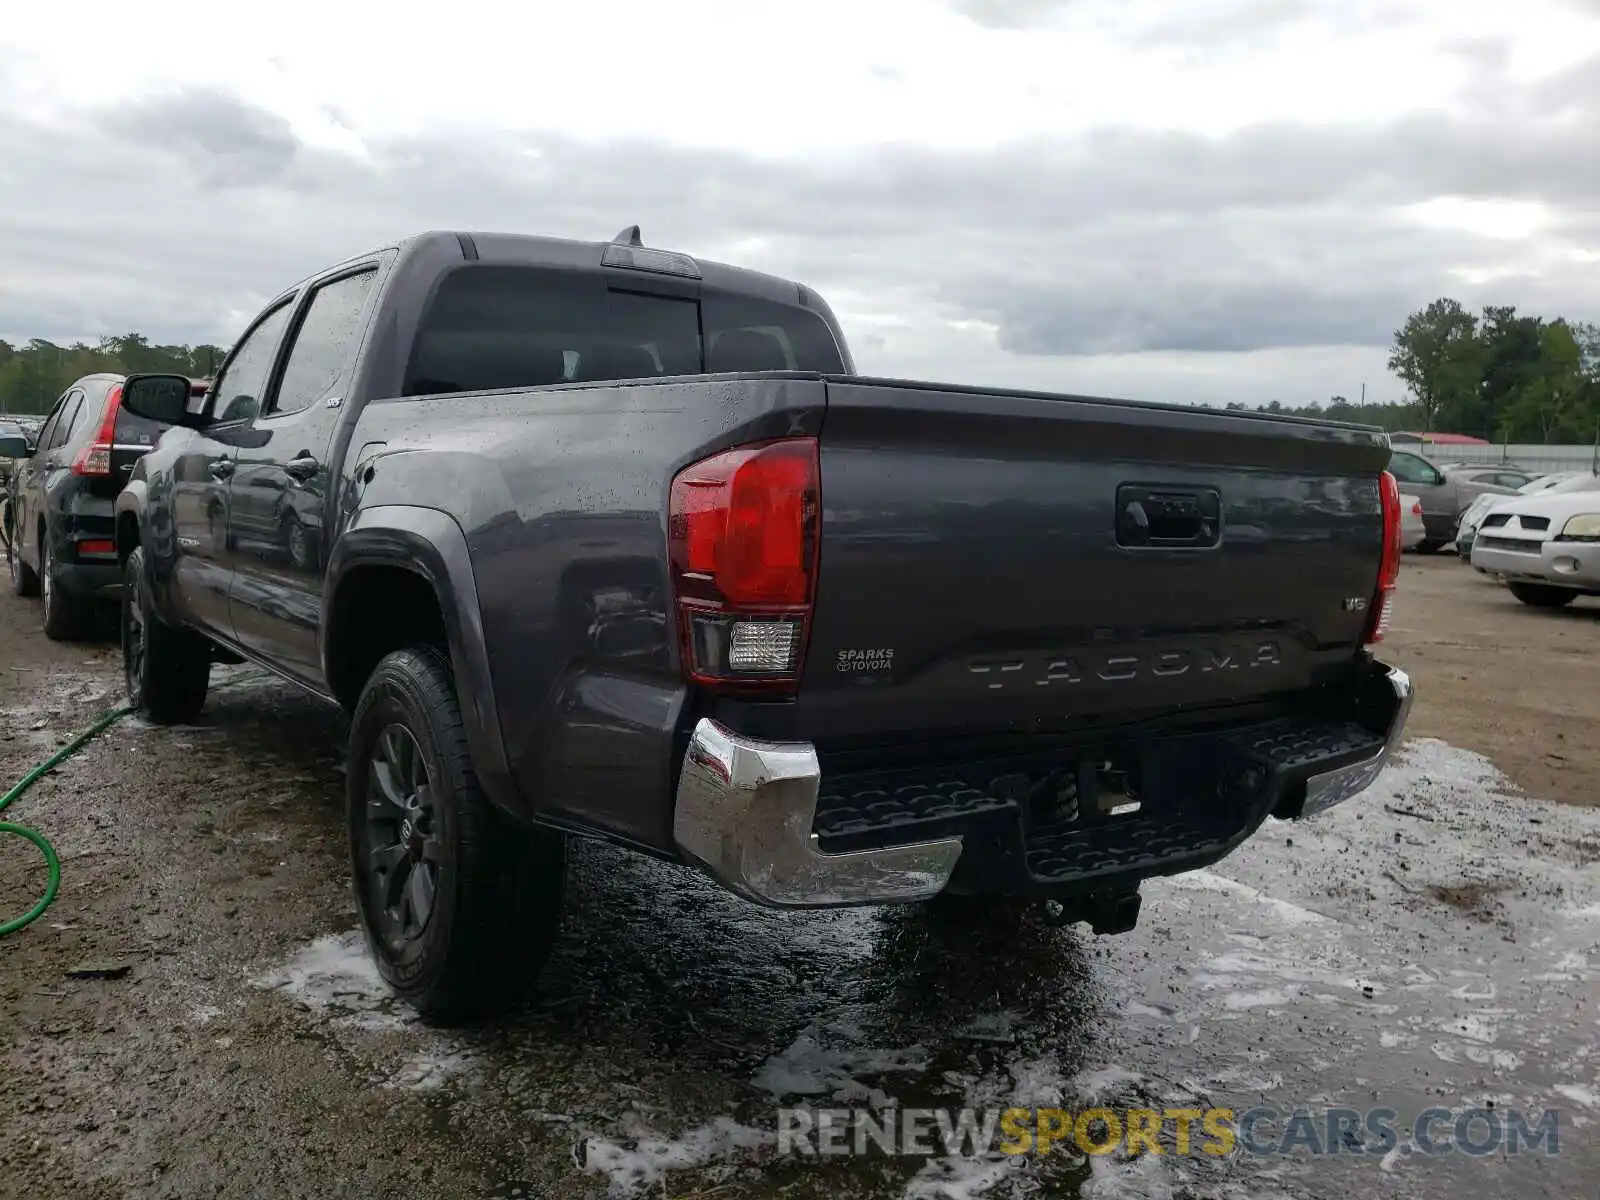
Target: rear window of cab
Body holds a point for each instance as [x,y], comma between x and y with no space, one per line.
[505,327]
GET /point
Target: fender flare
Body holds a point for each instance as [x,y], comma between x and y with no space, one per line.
[131,499]
[429,543]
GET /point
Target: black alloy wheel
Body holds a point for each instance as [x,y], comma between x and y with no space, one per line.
[401,839]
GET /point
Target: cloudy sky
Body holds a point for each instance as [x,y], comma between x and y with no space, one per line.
[1164,199]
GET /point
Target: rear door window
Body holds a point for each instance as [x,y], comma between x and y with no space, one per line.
[70,420]
[47,432]
[325,342]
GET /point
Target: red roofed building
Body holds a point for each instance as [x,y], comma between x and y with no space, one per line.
[1439,439]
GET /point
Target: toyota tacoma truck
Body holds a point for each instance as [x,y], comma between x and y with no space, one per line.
[599,539]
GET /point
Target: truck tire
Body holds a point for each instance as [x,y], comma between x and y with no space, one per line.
[167,670]
[460,908]
[1542,595]
[65,617]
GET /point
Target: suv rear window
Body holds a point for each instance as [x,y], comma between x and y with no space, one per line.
[132,432]
[503,327]
[137,432]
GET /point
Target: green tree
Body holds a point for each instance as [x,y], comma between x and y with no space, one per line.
[1436,353]
[1548,389]
[1513,348]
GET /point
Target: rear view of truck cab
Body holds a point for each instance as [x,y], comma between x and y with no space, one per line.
[1025,646]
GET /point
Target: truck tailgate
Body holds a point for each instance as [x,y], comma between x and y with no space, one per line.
[1008,563]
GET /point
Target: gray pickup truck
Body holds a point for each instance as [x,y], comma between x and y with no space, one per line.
[598,539]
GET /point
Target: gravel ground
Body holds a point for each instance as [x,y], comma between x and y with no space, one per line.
[1433,943]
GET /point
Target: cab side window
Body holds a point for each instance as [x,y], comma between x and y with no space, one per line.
[239,389]
[1408,468]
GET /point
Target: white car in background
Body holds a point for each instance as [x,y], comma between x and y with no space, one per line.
[1546,547]
[1412,531]
[1558,481]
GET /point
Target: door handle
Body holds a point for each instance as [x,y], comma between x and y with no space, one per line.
[302,468]
[220,468]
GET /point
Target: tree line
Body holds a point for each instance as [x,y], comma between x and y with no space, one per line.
[32,376]
[1496,375]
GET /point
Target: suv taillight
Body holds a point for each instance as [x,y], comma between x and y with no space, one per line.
[1389,563]
[743,531]
[95,458]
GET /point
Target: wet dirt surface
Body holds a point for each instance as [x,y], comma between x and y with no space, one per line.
[1434,943]
[1511,682]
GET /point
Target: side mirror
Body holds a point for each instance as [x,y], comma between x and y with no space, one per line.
[160,398]
[14,445]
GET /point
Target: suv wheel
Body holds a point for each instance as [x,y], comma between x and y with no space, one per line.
[23,581]
[167,670]
[1541,595]
[460,908]
[64,615]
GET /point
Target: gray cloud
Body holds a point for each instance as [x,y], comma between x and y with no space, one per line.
[1118,241]
[222,140]
[1011,14]
[1203,27]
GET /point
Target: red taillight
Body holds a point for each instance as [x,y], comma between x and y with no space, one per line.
[96,546]
[743,530]
[1389,563]
[95,458]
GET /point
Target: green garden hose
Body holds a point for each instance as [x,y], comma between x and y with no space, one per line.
[51,861]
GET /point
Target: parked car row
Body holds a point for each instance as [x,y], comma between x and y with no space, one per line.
[1448,491]
[1537,533]
[57,515]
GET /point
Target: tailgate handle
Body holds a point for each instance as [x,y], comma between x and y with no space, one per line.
[1167,518]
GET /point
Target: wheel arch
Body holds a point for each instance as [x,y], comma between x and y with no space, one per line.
[415,559]
[129,513]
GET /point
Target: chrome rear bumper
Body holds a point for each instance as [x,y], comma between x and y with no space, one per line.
[1333,787]
[744,814]
[746,811]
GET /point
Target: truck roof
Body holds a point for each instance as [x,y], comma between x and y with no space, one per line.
[533,250]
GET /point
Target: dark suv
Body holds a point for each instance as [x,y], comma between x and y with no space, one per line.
[59,525]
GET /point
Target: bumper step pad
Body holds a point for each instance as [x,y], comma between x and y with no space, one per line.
[1065,815]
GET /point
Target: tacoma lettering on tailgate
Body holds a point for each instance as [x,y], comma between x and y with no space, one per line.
[1047,670]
